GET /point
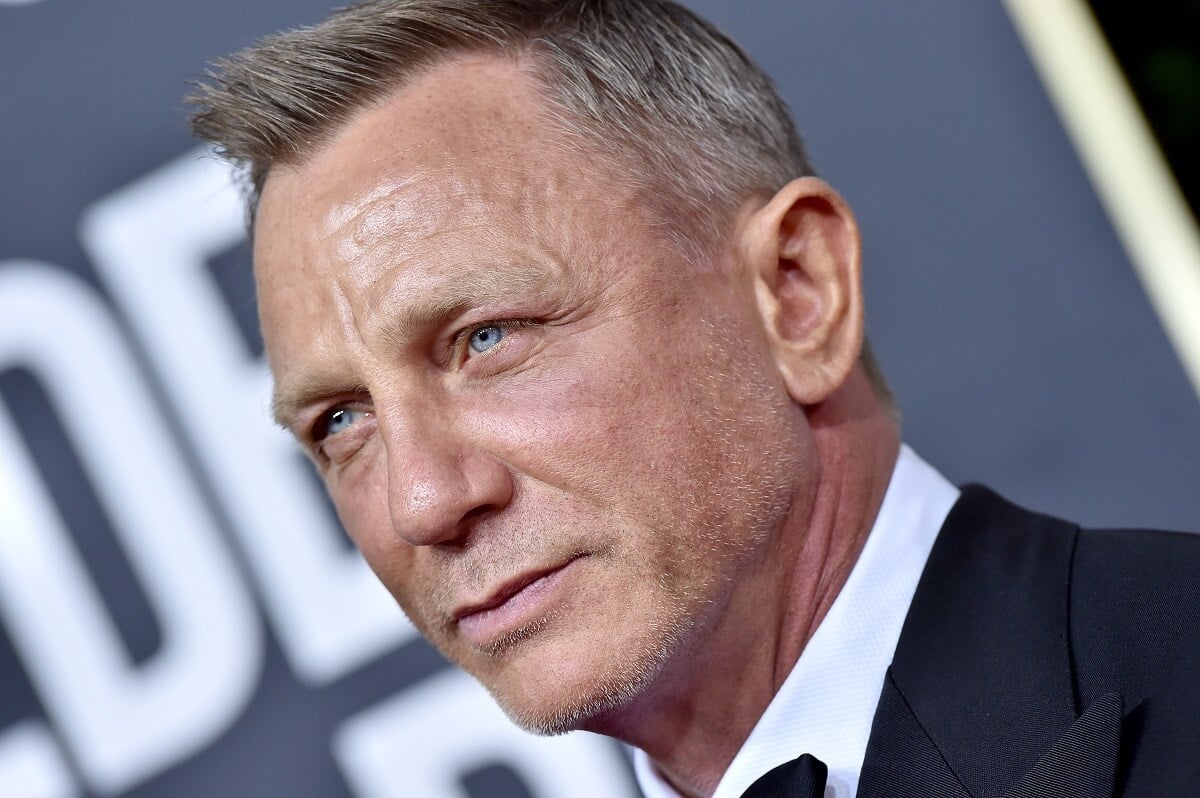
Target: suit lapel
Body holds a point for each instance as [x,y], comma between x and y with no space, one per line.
[1083,762]
[901,759]
[980,696]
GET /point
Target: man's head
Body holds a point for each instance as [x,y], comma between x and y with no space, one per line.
[547,309]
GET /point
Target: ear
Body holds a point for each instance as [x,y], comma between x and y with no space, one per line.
[805,257]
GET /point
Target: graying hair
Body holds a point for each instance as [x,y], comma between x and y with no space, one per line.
[646,82]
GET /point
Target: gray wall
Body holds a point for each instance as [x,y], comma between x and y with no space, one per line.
[1009,320]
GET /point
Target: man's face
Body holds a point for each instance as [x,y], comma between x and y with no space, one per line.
[561,448]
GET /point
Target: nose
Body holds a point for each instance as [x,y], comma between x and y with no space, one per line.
[439,479]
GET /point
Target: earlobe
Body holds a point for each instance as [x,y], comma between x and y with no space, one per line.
[805,251]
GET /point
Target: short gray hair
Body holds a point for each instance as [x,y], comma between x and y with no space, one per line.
[658,88]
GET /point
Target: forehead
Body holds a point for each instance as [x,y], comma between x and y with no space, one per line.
[461,166]
[453,148]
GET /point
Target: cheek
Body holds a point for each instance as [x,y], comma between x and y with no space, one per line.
[639,425]
[579,423]
[359,493]
[361,501]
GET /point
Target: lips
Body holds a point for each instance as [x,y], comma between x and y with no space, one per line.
[510,605]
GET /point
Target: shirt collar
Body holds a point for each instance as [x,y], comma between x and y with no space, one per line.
[827,703]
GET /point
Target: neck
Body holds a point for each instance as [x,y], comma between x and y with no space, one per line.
[703,709]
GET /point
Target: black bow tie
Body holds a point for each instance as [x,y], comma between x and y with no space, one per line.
[800,778]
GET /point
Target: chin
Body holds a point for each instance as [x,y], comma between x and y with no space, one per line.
[551,687]
[551,715]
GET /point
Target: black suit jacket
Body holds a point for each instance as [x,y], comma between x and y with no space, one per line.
[1039,659]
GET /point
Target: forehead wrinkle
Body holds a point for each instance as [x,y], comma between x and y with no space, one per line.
[409,207]
[355,225]
[382,219]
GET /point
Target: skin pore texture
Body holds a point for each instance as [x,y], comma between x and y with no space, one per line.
[620,489]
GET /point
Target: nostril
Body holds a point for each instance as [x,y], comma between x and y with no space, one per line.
[476,512]
[462,530]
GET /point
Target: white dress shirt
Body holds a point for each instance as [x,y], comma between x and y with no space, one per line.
[826,704]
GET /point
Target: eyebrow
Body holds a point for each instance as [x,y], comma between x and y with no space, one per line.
[464,289]
[291,397]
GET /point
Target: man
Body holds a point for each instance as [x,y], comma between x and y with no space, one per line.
[575,339]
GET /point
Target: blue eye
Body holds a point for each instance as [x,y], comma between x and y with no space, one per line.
[485,338]
[338,421]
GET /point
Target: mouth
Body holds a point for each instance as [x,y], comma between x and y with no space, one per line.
[512,606]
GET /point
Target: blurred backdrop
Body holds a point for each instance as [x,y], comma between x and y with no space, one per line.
[179,613]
